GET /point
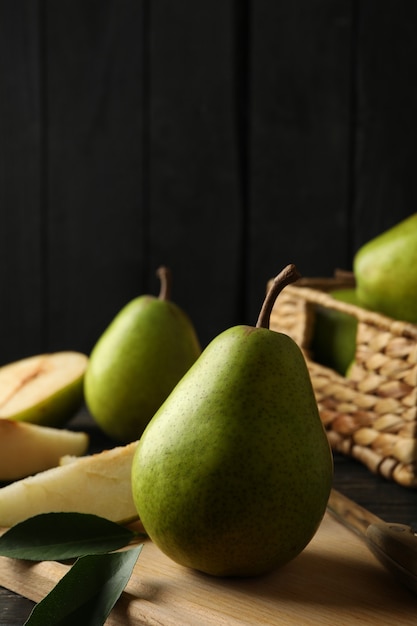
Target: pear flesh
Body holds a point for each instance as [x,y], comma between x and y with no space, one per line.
[45,389]
[232,475]
[97,484]
[136,363]
[29,448]
[385,272]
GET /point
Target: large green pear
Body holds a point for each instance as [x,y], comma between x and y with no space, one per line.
[137,361]
[232,475]
[334,334]
[385,269]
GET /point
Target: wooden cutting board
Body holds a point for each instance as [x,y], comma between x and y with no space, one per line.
[335,581]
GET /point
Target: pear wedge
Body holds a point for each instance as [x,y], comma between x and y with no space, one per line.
[99,484]
[45,389]
[29,448]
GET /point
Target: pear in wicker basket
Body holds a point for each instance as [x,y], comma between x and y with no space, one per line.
[334,336]
[386,274]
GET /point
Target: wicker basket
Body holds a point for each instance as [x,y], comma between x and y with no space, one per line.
[372,415]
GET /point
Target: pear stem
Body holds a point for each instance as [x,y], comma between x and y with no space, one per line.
[287,276]
[164,275]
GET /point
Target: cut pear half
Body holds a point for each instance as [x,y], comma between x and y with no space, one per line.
[29,448]
[99,484]
[45,389]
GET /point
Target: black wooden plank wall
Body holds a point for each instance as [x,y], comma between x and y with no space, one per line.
[223,138]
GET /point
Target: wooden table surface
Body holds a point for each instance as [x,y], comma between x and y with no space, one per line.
[388,500]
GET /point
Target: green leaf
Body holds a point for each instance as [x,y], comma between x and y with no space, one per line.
[60,536]
[88,592]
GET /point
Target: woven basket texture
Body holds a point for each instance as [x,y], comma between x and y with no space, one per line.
[371,415]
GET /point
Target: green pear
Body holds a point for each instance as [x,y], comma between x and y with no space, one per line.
[232,475]
[137,361]
[334,334]
[44,389]
[385,269]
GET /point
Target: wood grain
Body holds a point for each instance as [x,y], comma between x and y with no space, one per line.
[225,139]
[299,130]
[336,580]
[194,177]
[22,217]
[95,210]
[384,118]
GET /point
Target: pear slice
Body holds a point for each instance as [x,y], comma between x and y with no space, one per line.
[29,448]
[44,389]
[99,484]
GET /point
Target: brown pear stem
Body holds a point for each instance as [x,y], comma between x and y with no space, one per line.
[164,275]
[288,275]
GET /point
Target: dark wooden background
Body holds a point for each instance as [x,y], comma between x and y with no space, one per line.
[224,138]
